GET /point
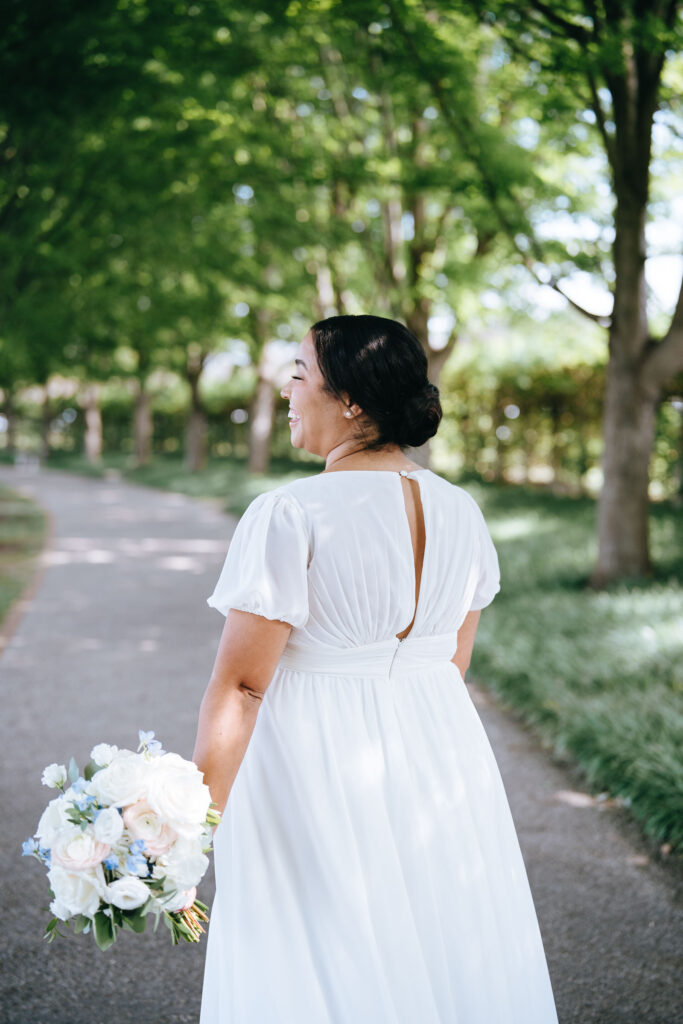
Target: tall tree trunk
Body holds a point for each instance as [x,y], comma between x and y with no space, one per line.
[261,414]
[143,426]
[196,436]
[325,298]
[195,445]
[45,420]
[262,407]
[93,424]
[629,410]
[629,430]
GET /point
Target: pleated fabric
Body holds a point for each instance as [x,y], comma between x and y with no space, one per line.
[368,869]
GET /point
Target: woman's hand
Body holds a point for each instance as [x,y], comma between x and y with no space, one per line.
[248,653]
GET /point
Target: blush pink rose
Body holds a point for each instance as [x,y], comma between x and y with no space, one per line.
[78,851]
[142,823]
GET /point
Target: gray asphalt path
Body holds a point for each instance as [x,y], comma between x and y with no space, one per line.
[117,636]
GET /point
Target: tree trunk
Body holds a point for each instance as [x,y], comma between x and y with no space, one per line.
[629,411]
[143,427]
[195,444]
[93,424]
[261,413]
[325,304]
[45,420]
[629,430]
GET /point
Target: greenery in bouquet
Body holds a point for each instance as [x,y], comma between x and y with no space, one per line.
[126,839]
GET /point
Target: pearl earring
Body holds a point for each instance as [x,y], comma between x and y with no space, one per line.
[347,413]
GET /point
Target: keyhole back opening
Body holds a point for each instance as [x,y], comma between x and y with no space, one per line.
[414,512]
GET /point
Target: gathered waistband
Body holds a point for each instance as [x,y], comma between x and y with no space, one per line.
[380,658]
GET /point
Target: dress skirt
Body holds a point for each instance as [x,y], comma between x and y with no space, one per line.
[367,866]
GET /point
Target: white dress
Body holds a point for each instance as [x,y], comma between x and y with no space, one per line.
[368,870]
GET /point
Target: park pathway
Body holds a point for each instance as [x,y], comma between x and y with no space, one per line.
[117,636]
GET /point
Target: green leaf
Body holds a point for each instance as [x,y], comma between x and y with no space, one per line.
[90,769]
[104,930]
[52,929]
[81,922]
[134,923]
[73,772]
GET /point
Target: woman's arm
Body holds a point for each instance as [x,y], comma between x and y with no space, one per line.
[466,635]
[248,653]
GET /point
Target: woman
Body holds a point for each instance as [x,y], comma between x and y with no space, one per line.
[367,867]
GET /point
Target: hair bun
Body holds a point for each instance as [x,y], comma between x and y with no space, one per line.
[419,417]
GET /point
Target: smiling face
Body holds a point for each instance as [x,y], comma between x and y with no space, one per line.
[317,420]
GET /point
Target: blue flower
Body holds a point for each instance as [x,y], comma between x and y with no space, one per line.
[83,802]
[136,862]
[111,863]
[149,744]
[79,785]
[29,847]
[45,856]
[137,866]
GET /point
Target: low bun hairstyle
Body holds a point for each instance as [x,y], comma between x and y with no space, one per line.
[382,367]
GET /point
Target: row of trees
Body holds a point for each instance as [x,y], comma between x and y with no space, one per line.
[506,420]
[178,175]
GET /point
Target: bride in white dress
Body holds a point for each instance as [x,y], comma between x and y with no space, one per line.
[367,866]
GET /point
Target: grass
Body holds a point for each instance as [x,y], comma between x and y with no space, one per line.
[22,533]
[597,674]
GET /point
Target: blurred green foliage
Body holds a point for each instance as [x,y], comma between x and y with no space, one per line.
[23,526]
[598,674]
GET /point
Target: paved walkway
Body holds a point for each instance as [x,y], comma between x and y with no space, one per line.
[117,636]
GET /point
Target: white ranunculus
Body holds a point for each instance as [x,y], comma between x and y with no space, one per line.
[52,821]
[108,826]
[103,754]
[78,850]
[75,892]
[123,781]
[174,900]
[143,823]
[184,865]
[127,893]
[54,776]
[176,792]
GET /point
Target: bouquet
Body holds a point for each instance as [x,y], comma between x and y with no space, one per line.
[127,838]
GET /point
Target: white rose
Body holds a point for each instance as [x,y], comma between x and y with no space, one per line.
[103,754]
[176,792]
[123,781]
[127,893]
[52,821]
[143,823]
[75,892]
[54,776]
[77,850]
[108,826]
[173,901]
[184,864]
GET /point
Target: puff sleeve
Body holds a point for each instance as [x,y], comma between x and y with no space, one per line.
[266,567]
[488,583]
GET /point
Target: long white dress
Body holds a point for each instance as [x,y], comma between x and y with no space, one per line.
[368,870]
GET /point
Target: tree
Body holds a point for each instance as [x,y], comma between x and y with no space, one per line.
[606,58]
